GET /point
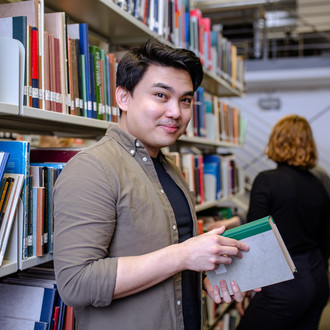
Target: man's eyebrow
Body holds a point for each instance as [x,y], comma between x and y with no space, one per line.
[162,85]
[171,89]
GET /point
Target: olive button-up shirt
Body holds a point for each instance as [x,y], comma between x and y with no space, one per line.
[109,203]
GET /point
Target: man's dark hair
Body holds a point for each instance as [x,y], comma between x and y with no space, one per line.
[136,61]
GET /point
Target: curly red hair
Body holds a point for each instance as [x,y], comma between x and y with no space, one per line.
[291,141]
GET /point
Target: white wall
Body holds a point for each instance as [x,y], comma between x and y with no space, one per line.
[303,94]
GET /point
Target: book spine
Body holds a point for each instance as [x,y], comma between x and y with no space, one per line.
[35,67]
[84,50]
[47,72]
[50,214]
[75,79]
[83,86]
[70,78]
[92,80]
[108,106]
[58,98]
[40,221]
[29,226]
[25,195]
[20,33]
[44,171]
[52,82]
[97,80]
[103,83]
[112,69]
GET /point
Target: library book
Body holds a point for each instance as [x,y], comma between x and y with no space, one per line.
[267,262]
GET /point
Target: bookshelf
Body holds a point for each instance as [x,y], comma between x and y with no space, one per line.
[111,22]
[119,28]
[37,121]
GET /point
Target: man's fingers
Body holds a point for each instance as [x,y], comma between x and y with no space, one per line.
[237,294]
[232,242]
[230,251]
[225,293]
[216,294]
[217,231]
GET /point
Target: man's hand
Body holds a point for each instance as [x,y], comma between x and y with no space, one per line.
[214,292]
[207,251]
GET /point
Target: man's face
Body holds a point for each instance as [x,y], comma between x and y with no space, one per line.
[159,110]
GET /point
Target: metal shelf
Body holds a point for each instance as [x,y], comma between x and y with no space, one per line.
[206,142]
[36,121]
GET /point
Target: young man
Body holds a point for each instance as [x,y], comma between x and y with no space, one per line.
[126,255]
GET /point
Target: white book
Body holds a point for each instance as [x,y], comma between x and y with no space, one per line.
[267,262]
[11,206]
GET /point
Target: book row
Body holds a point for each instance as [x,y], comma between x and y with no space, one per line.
[36,171]
[215,119]
[186,27]
[32,301]
[63,72]
[212,177]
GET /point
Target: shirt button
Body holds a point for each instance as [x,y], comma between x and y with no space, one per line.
[144,159]
[178,302]
[132,152]
[174,227]
[137,144]
[162,191]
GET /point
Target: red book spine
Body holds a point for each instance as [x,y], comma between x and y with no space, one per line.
[35,67]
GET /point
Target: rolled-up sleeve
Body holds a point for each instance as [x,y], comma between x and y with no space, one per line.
[84,223]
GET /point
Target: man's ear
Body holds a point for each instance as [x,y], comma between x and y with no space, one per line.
[122,98]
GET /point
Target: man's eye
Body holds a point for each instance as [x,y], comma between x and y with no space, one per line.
[187,101]
[161,95]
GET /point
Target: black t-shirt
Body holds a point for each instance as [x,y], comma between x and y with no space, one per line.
[190,279]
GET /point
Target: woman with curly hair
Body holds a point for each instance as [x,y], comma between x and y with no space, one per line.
[299,204]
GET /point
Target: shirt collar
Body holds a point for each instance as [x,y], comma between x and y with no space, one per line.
[126,140]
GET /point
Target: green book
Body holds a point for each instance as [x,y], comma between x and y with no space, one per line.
[104,83]
[267,262]
[95,51]
[83,84]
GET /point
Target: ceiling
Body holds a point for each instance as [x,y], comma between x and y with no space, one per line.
[271,29]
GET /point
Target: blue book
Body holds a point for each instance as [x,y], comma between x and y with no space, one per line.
[136,9]
[210,181]
[187,29]
[27,302]
[216,170]
[48,305]
[4,156]
[80,32]
[156,18]
[19,162]
[109,101]
[201,131]
[10,323]
[57,166]
[84,50]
